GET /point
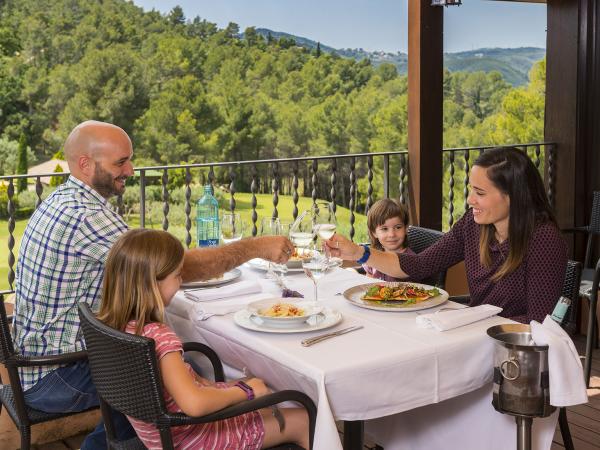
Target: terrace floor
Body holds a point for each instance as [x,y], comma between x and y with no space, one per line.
[584,420]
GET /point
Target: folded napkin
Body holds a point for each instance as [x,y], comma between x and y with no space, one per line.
[447,320]
[230,290]
[567,384]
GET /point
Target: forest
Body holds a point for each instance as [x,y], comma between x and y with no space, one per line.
[187,91]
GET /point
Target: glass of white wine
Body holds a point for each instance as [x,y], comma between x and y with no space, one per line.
[324,221]
[232,227]
[315,265]
[302,232]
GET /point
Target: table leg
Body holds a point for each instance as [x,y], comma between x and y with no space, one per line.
[354,431]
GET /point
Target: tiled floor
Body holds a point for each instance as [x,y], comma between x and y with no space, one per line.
[584,420]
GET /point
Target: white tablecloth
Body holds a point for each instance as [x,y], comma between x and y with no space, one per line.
[390,371]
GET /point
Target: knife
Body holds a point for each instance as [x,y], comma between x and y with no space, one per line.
[313,340]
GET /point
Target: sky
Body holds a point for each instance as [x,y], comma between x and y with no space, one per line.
[374,24]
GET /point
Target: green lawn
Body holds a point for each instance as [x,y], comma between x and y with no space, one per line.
[243,206]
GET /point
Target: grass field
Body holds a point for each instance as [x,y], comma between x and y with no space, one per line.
[177,227]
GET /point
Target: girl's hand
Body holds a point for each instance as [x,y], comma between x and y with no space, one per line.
[344,248]
[258,386]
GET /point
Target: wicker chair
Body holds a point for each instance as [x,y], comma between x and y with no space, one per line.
[588,289]
[11,395]
[419,239]
[126,374]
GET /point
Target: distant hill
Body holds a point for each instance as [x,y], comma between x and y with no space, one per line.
[513,63]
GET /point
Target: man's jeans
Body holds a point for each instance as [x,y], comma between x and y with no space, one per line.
[70,389]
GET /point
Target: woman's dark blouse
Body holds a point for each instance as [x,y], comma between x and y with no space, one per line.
[528,293]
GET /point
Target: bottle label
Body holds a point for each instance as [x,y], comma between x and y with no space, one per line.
[560,310]
[208,242]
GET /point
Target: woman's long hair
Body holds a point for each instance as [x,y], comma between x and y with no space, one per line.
[136,263]
[515,175]
[381,211]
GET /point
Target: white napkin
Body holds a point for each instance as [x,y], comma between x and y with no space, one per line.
[447,320]
[230,290]
[567,384]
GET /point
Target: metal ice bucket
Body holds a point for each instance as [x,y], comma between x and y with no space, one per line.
[521,385]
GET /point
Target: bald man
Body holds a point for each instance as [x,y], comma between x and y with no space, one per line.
[61,263]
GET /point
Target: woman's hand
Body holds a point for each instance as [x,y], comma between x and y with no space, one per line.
[344,248]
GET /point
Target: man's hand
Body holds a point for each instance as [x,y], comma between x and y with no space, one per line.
[274,248]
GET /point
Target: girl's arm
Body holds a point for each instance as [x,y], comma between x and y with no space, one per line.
[195,400]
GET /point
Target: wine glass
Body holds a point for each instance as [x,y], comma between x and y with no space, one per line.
[232,227]
[324,222]
[271,226]
[302,232]
[315,265]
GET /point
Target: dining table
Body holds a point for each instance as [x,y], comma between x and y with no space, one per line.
[406,386]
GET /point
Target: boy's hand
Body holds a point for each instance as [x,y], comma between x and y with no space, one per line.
[344,248]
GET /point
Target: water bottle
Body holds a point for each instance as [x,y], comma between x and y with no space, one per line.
[561,308]
[207,219]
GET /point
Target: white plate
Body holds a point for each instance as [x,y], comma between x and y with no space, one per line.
[354,294]
[310,309]
[226,278]
[327,318]
[293,266]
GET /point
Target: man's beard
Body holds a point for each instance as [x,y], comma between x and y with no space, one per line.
[104,183]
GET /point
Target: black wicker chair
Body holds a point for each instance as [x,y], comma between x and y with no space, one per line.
[589,282]
[419,239]
[126,374]
[11,395]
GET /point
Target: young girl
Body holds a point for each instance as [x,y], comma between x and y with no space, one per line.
[387,222]
[143,273]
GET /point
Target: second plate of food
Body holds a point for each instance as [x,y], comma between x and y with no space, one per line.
[396,296]
[283,312]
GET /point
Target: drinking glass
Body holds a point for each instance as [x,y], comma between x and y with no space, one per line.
[324,222]
[232,227]
[271,226]
[315,265]
[302,232]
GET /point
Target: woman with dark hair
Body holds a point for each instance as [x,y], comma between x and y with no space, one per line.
[514,255]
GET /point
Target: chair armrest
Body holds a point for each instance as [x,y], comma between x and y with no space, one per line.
[585,229]
[65,358]
[210,354]
[252,405]
[462,299]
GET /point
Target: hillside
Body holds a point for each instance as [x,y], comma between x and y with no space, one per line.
[513,63]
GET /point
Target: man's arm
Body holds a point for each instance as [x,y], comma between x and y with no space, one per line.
[209,262]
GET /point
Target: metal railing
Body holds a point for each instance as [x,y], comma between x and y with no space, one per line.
[354,181]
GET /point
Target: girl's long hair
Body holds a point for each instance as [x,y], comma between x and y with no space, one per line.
[136,263]
[381,211]
[515,175]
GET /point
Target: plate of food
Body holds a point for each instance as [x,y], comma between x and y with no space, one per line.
[325,319]
[396,296]
[283,312]
[227,277]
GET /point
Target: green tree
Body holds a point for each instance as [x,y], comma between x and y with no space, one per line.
[56,180]
[22,163]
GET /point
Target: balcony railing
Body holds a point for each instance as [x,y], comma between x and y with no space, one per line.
[352,181]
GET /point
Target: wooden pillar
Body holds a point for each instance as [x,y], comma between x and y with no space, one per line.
[573,109]
[425,112]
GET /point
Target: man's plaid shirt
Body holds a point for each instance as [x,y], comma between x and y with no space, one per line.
[61,263]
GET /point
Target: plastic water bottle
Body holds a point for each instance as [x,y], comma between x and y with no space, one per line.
[561,308]
[207,219]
